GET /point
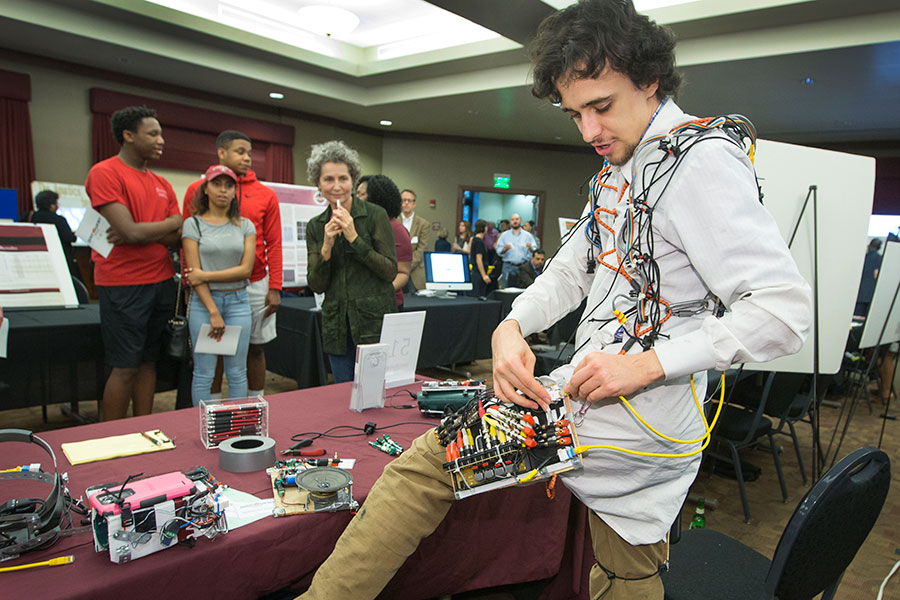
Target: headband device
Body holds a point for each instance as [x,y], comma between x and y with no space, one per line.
[22,532]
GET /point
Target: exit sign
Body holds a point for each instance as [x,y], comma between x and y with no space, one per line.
[501,180]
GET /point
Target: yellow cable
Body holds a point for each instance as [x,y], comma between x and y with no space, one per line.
[59,560]
[705,439]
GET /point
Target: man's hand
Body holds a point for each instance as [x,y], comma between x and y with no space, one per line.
[507,247]
[528,245]
[114,237]
[486,278]
[600,375]
[514,368]
[273,301]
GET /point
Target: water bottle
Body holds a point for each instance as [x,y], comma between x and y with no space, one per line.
[699,520]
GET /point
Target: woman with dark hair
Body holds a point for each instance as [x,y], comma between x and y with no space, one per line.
[219,248]
[478,259]
[463,238]
[350,258]
[381,190]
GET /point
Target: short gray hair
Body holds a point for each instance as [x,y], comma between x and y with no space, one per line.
[334,151]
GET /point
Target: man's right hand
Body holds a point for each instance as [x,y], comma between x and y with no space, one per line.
[507,247]
[514,368]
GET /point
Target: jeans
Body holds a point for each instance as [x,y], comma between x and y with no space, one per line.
[343,366]
[235,310]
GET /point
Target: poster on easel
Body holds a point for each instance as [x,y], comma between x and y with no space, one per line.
[297,204]
[33,270]
[882,325]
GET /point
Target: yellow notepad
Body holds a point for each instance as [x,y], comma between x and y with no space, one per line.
[115,446]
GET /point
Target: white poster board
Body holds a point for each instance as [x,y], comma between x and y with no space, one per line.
[885,288]
[73,202]
[297,204]
[845,188]
[402,333]
[33,269]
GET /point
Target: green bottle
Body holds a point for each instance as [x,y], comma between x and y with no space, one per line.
[699,520]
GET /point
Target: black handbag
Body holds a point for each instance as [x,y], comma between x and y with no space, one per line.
[177,335]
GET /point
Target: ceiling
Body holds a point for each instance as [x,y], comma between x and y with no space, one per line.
[822,72]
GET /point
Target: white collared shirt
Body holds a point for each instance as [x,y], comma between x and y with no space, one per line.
[407,222]
[711,234]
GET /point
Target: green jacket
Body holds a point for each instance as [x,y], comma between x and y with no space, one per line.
[356,279]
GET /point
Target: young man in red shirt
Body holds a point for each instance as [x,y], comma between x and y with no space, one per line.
[135,281]
[260,205]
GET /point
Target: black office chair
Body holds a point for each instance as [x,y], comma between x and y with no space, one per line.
[740,427]
[785,401]
[820,540]
[81,291]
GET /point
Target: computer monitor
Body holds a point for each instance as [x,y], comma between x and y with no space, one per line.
[447,272]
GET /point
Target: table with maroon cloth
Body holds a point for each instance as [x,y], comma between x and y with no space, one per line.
[502,537]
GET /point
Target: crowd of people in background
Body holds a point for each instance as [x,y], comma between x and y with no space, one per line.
[365,250]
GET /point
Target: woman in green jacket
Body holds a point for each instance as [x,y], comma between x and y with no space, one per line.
[350,251]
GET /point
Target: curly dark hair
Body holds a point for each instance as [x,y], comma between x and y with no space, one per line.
[383,191]
[128,119]
[581,40]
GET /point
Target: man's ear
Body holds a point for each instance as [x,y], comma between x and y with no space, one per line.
[650,89]
[128,135]
[220,152]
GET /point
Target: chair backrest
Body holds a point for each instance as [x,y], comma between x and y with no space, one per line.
[829,526]
[783,392]
[81,291]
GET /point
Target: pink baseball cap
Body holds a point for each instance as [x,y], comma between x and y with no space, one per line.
[216,170]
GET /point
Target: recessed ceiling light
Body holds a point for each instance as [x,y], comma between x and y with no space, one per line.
[327,20]
[808,81]
[276,95]
[386,123]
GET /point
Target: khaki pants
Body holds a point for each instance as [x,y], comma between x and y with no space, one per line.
[410,500]
[406,504]
[626,562]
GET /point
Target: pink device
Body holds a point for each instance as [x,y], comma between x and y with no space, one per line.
[141,493]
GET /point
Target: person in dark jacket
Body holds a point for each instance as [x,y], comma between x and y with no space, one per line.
[350,258]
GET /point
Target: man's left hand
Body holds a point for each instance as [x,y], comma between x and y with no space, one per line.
[600,375]
[273,301]
[113,237]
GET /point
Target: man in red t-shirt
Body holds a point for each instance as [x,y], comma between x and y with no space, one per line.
[260,205]
[135,281]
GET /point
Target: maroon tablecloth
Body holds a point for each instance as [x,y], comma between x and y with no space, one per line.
[498,538]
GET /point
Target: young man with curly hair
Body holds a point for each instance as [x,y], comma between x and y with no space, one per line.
[613,72]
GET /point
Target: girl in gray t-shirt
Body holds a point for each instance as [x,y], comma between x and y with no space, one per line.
[219,248]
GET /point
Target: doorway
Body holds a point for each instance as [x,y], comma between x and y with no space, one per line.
[492,204]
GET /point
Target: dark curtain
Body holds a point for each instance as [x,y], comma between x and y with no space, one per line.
[190,133]
[279,164]
[103,144]
[16,147]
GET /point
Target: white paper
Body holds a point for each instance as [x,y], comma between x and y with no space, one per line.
[4,336]
[414,240]
[226,346]
[402,334]
[33,269]
[93,231]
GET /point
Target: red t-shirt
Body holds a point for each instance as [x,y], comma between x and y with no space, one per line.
[149,198]
[260,205]
[403,248]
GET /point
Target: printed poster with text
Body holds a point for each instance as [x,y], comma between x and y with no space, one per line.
[298,204]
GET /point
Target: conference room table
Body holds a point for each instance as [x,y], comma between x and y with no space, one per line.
[501,537]
[457,330]
[53,355]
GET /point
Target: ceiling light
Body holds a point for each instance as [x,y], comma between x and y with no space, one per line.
[327,20]
[386,123]
[808,81]
[276,95]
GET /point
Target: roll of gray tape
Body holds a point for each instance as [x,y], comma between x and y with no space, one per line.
[247,453]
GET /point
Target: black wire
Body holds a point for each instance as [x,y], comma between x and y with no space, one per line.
[327,433]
